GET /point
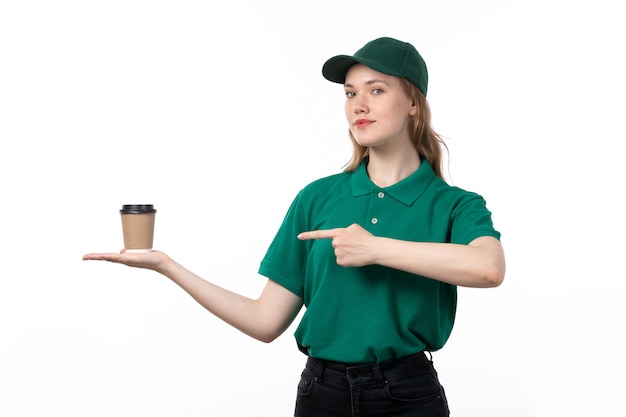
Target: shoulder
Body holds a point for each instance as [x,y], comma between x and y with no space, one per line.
[467,212]
[457,202]
[327,184]
[451,193]
[322,193]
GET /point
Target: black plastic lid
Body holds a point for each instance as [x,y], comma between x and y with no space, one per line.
[137,209]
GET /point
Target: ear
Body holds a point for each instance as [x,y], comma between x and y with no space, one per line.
[413,109]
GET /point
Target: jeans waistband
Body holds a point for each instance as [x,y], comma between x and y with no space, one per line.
[414,361]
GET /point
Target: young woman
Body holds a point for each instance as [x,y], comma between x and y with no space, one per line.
[375,253]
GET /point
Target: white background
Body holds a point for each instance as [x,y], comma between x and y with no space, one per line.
[217,113]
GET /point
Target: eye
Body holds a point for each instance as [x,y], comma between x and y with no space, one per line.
[350,94]
[377,91]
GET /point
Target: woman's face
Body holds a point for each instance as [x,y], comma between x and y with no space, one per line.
[377,108]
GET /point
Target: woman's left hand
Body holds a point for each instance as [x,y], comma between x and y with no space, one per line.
[354,246]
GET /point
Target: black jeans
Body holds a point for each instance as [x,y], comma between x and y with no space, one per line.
[402,387]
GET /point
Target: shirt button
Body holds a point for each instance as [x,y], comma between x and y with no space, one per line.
[381,194]
[374,220]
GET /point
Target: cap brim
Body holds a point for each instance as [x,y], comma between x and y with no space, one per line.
[336,68]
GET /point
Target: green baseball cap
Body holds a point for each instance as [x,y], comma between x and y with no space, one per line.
[387,55]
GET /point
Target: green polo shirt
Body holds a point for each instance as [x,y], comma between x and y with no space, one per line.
[372,313]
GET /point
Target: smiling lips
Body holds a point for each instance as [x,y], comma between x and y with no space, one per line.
[363,122]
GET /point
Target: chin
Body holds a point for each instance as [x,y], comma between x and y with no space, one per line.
[368,143]
[365,141]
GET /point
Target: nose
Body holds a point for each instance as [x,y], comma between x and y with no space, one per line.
[360,105]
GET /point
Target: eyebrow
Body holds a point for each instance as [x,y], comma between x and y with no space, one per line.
[369,82]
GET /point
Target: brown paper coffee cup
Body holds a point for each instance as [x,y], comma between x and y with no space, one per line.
[138,227]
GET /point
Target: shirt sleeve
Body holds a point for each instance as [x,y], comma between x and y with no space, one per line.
[285,259]
[471,219]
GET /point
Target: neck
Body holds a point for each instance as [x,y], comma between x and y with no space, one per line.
[386,170]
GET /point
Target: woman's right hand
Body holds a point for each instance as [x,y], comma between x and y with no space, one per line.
[264,318]
[154,260]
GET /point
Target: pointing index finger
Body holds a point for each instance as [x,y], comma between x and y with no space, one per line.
[317,234]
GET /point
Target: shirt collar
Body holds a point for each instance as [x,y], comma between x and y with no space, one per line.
[406,191]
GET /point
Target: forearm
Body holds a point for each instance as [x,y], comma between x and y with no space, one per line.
[246,314]
[479,264]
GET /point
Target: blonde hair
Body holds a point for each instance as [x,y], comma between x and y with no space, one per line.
[427,142]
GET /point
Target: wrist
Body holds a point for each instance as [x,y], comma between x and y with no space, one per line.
[377,250]
[166,265]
